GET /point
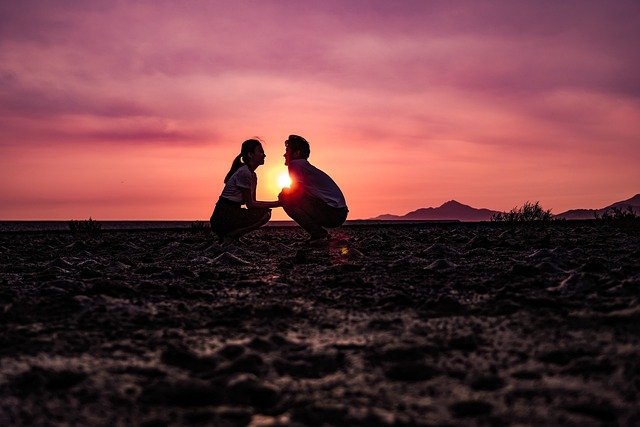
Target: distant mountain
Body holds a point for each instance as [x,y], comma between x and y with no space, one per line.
[633,203]
[451,210]
[454,210]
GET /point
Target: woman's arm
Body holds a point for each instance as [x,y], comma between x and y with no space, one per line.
[252,203]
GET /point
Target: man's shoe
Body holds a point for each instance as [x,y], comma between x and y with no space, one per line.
[317,242]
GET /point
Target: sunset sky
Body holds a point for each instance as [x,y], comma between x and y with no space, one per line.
[136,109]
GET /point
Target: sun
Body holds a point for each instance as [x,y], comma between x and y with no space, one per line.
[284,180]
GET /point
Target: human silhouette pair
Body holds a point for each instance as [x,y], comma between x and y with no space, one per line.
[314,200]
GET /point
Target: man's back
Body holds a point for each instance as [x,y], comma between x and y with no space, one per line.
[316,183]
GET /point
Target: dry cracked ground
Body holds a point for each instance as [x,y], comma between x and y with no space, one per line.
[389,325]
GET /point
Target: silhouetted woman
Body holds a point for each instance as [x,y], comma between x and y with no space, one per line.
[230,220]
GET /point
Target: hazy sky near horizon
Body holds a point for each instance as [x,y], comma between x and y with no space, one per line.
[135,109]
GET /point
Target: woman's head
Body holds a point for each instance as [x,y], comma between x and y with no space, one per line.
[250,149]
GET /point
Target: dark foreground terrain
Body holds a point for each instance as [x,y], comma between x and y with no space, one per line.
[427,325]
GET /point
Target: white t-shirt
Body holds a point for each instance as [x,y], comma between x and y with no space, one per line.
[316,183]
[242,178]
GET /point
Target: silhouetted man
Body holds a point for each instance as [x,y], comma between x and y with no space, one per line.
[314,200]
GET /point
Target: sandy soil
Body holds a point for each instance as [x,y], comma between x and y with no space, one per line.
[428,325]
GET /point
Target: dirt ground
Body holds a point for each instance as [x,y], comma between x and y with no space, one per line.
[390,325]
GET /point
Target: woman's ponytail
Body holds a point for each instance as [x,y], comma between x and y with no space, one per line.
[247,147]
[237,162]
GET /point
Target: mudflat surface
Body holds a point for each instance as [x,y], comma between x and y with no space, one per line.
[425,325]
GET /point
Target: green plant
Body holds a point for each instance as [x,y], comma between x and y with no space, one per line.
[528,212]
[87,227]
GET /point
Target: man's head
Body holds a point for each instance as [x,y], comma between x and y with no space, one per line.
[296,148]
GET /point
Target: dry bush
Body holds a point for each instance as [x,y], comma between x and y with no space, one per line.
[87,227]
[528,212]
[618,214]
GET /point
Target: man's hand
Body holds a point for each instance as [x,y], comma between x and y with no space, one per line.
[288,195]
[284,194]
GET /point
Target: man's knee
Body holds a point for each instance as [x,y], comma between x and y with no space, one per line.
[286,207]
[291,208]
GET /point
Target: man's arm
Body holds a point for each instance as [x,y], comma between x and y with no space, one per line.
[295,191]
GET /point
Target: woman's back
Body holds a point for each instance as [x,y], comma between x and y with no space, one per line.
[242,178]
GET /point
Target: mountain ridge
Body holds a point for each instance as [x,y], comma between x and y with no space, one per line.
[451,210]
[454,210]
[633,203]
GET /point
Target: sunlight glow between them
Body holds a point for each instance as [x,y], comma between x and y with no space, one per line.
[284,180]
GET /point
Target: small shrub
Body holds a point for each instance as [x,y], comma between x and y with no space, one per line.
[200,227]
[87,227]
[618,214]
[529,212]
